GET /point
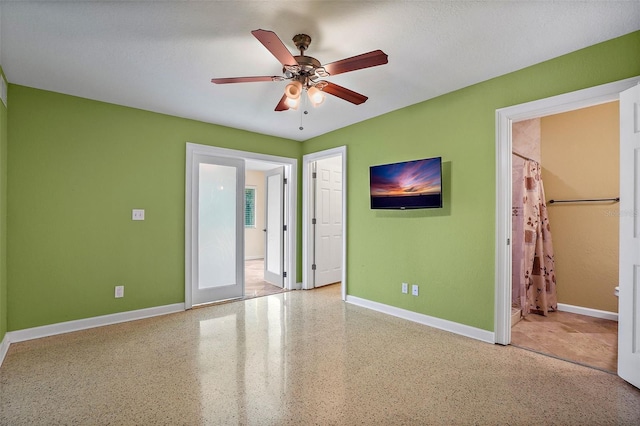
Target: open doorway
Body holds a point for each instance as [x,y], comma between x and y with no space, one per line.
[259,280]
[628,93]
[564,272]
[324,219]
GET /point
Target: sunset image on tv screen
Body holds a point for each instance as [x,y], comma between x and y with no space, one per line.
[412,184]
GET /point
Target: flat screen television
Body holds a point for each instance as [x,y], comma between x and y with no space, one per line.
[408,185]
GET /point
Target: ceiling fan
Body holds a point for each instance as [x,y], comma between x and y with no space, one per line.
[305,72]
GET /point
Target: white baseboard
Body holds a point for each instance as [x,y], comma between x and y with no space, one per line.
[596,313]
[4,348]
[253,257]
[83,324]
[453,327]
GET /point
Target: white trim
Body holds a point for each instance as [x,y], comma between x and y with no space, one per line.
[439,323]
[4,348]
[253,257]
[306,219]
[571,101]
[595,313]
[290,172]
[86,323]
[504,117]
[502,319]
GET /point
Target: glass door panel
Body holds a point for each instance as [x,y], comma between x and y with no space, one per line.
[218,229]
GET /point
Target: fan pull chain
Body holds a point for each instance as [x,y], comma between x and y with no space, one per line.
[301,128]
[303,110]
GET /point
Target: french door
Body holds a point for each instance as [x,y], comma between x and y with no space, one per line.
[274,227]
[217,228]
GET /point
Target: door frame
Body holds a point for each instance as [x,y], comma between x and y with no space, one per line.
[307,249]
[504,118]
[290,195]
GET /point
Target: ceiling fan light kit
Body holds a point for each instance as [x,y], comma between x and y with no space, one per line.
[304,72]
[291,103]
[293,90]
[315,96]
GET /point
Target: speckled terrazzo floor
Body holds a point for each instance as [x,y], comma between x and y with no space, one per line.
[298,358]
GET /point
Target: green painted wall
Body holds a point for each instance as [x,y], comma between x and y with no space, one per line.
[77,168]
[3,218]
[450,252]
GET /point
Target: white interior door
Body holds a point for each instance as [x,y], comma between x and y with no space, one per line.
[328,221]
[274,227]
[217,218]
[629,299]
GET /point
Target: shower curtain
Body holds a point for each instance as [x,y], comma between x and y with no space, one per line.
[533,261]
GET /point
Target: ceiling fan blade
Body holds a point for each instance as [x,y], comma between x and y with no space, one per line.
[274,45]
[282,106]
[244,79]
[366,60]
[344,93]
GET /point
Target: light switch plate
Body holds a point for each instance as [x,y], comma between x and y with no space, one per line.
[137,214]
[119,291]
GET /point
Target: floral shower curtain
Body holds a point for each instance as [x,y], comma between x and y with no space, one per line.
[535,288]
[517,232]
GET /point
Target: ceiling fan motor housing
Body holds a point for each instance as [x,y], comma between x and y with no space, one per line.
[307,64]
[308,68]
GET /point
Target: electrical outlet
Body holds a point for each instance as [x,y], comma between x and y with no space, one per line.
[119,291]
[414,289]
[405,288]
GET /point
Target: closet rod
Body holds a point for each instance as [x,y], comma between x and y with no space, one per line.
[617,199]
[523,157]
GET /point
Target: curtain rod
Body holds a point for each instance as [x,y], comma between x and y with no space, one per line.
[523,157]
[616,199]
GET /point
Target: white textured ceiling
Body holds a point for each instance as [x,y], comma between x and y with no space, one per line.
[161,56]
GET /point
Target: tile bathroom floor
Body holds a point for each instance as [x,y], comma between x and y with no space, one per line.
[254,283]
[297,358]
[577,338]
